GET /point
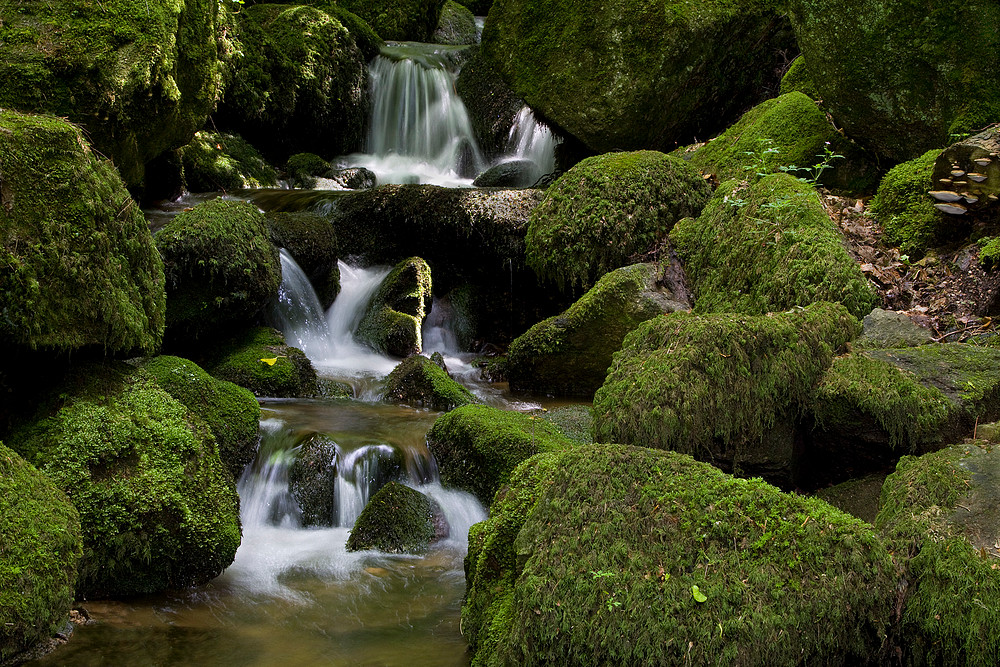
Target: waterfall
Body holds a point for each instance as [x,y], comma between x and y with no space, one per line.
[533,141]
[298,313]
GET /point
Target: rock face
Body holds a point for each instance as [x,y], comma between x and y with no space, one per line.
[395,315]
[141,78]
[725,570]
[40,534]
[259,360]
[419,382]
[569,354]
[221,268]
[900,81]
[605,210]
[78,267]
[157,507]
[220,161]
[767,246]
[492,105]
[397,520]
[629,75]
[889,328]
[312,480]
[456,26]
[724,388]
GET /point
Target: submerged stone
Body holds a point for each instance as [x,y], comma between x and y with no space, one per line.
[398,519]
[394,317]
[510,174]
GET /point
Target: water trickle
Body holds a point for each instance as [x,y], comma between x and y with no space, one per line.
[298,313]
[533,141]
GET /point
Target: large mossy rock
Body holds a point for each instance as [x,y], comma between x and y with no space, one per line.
[78,268]
[907,213]
[630,75]
[157,507]
[312,481]
[299,84]
[259,360]
[456,26]
[477,447]
[939,512]
[614,555]
[221,268]
[607,209]
[569,354]
[311,241]
[768,245]
[397,520]
[220,161]
[141,77]
[491,104]
[398,20]
[901,79]
[40,546]
[727,389]
[419,382]
[231,412]
[394,317]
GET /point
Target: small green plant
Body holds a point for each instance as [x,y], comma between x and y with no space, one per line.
[815,172]
[760,159]
[698,596]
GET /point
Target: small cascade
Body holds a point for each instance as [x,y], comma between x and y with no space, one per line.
[360,474]
[298,313]
[533,141]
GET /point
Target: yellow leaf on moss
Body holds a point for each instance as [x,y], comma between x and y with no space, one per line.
[270,362]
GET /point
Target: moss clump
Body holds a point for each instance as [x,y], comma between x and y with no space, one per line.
[477,447]
[989,251]
[418,381]
[259,360]
[723,388]
[397,520]
[231,412]
[398,20]
[940,513]
[456,26]
[141,77]
[607,209]
[312,242]
[303,169]
[40,546]
[591,556]
[768,246]
[799,79]
[569,354]
[221,268]
[393,318]
[78,267]
[905,211]
[220,161]
[157,507]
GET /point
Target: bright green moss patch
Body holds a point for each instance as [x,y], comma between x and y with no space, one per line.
[607,209]
[219,161]
[419,382]
[906,212]
[40,546]
[477,447]
[591,556]
[723,388]
[78,267]
[259,360]
[766,246]
[157,508]
[395,315]
[798,79]
[397,519]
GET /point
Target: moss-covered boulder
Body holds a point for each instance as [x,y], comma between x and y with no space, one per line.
[312,243]
[419,382]
[157,507]
[901,79]
[798,78]
[259,360]
[78,268]
[221,161]
[40,546]
[907,213]
[476,446]
[766,246]
[299,84]
[607,209]
[303,169]
[398,20]
[726,389]
[569,354]
[312,480]
[397,520]
[456,26]
[231,412]
[140,77]
[939,512]
[394,317]
[629,556]
[630,75]
[221,269]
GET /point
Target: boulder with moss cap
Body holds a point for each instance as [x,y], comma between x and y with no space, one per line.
[419,382]
[398,519]
[259,360]
[394,317]
[221,161]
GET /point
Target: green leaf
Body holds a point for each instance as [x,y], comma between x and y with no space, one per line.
[698,595]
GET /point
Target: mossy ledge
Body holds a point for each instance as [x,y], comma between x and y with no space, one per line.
[259,360]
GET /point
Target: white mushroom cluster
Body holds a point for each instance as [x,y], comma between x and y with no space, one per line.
[967,174]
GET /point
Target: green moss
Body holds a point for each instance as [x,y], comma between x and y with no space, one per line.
[768,246]
[906,212]
[219,161]
[799,79]
[989,251]
[221,268]
[241,360]
[77,264]
[397,519]
[231,412]
[607,209]
[590,555]
[720,387]
[398,20]
[157,507]
[569,354]
[40,546]
[393,318]
[457,25]
[312,242]
[419,382]
[303,168]
[477,447]
[575,421]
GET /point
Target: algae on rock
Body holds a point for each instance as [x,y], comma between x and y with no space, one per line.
[394,317]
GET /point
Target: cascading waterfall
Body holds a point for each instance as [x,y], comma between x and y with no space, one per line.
[533,141]
[298,313]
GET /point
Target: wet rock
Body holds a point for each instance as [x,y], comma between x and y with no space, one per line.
[312,480]
[394,317]
[422,382]
[510,174]
[889,328]
[354,178]
[312,243]
[456,26]
[398,519]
